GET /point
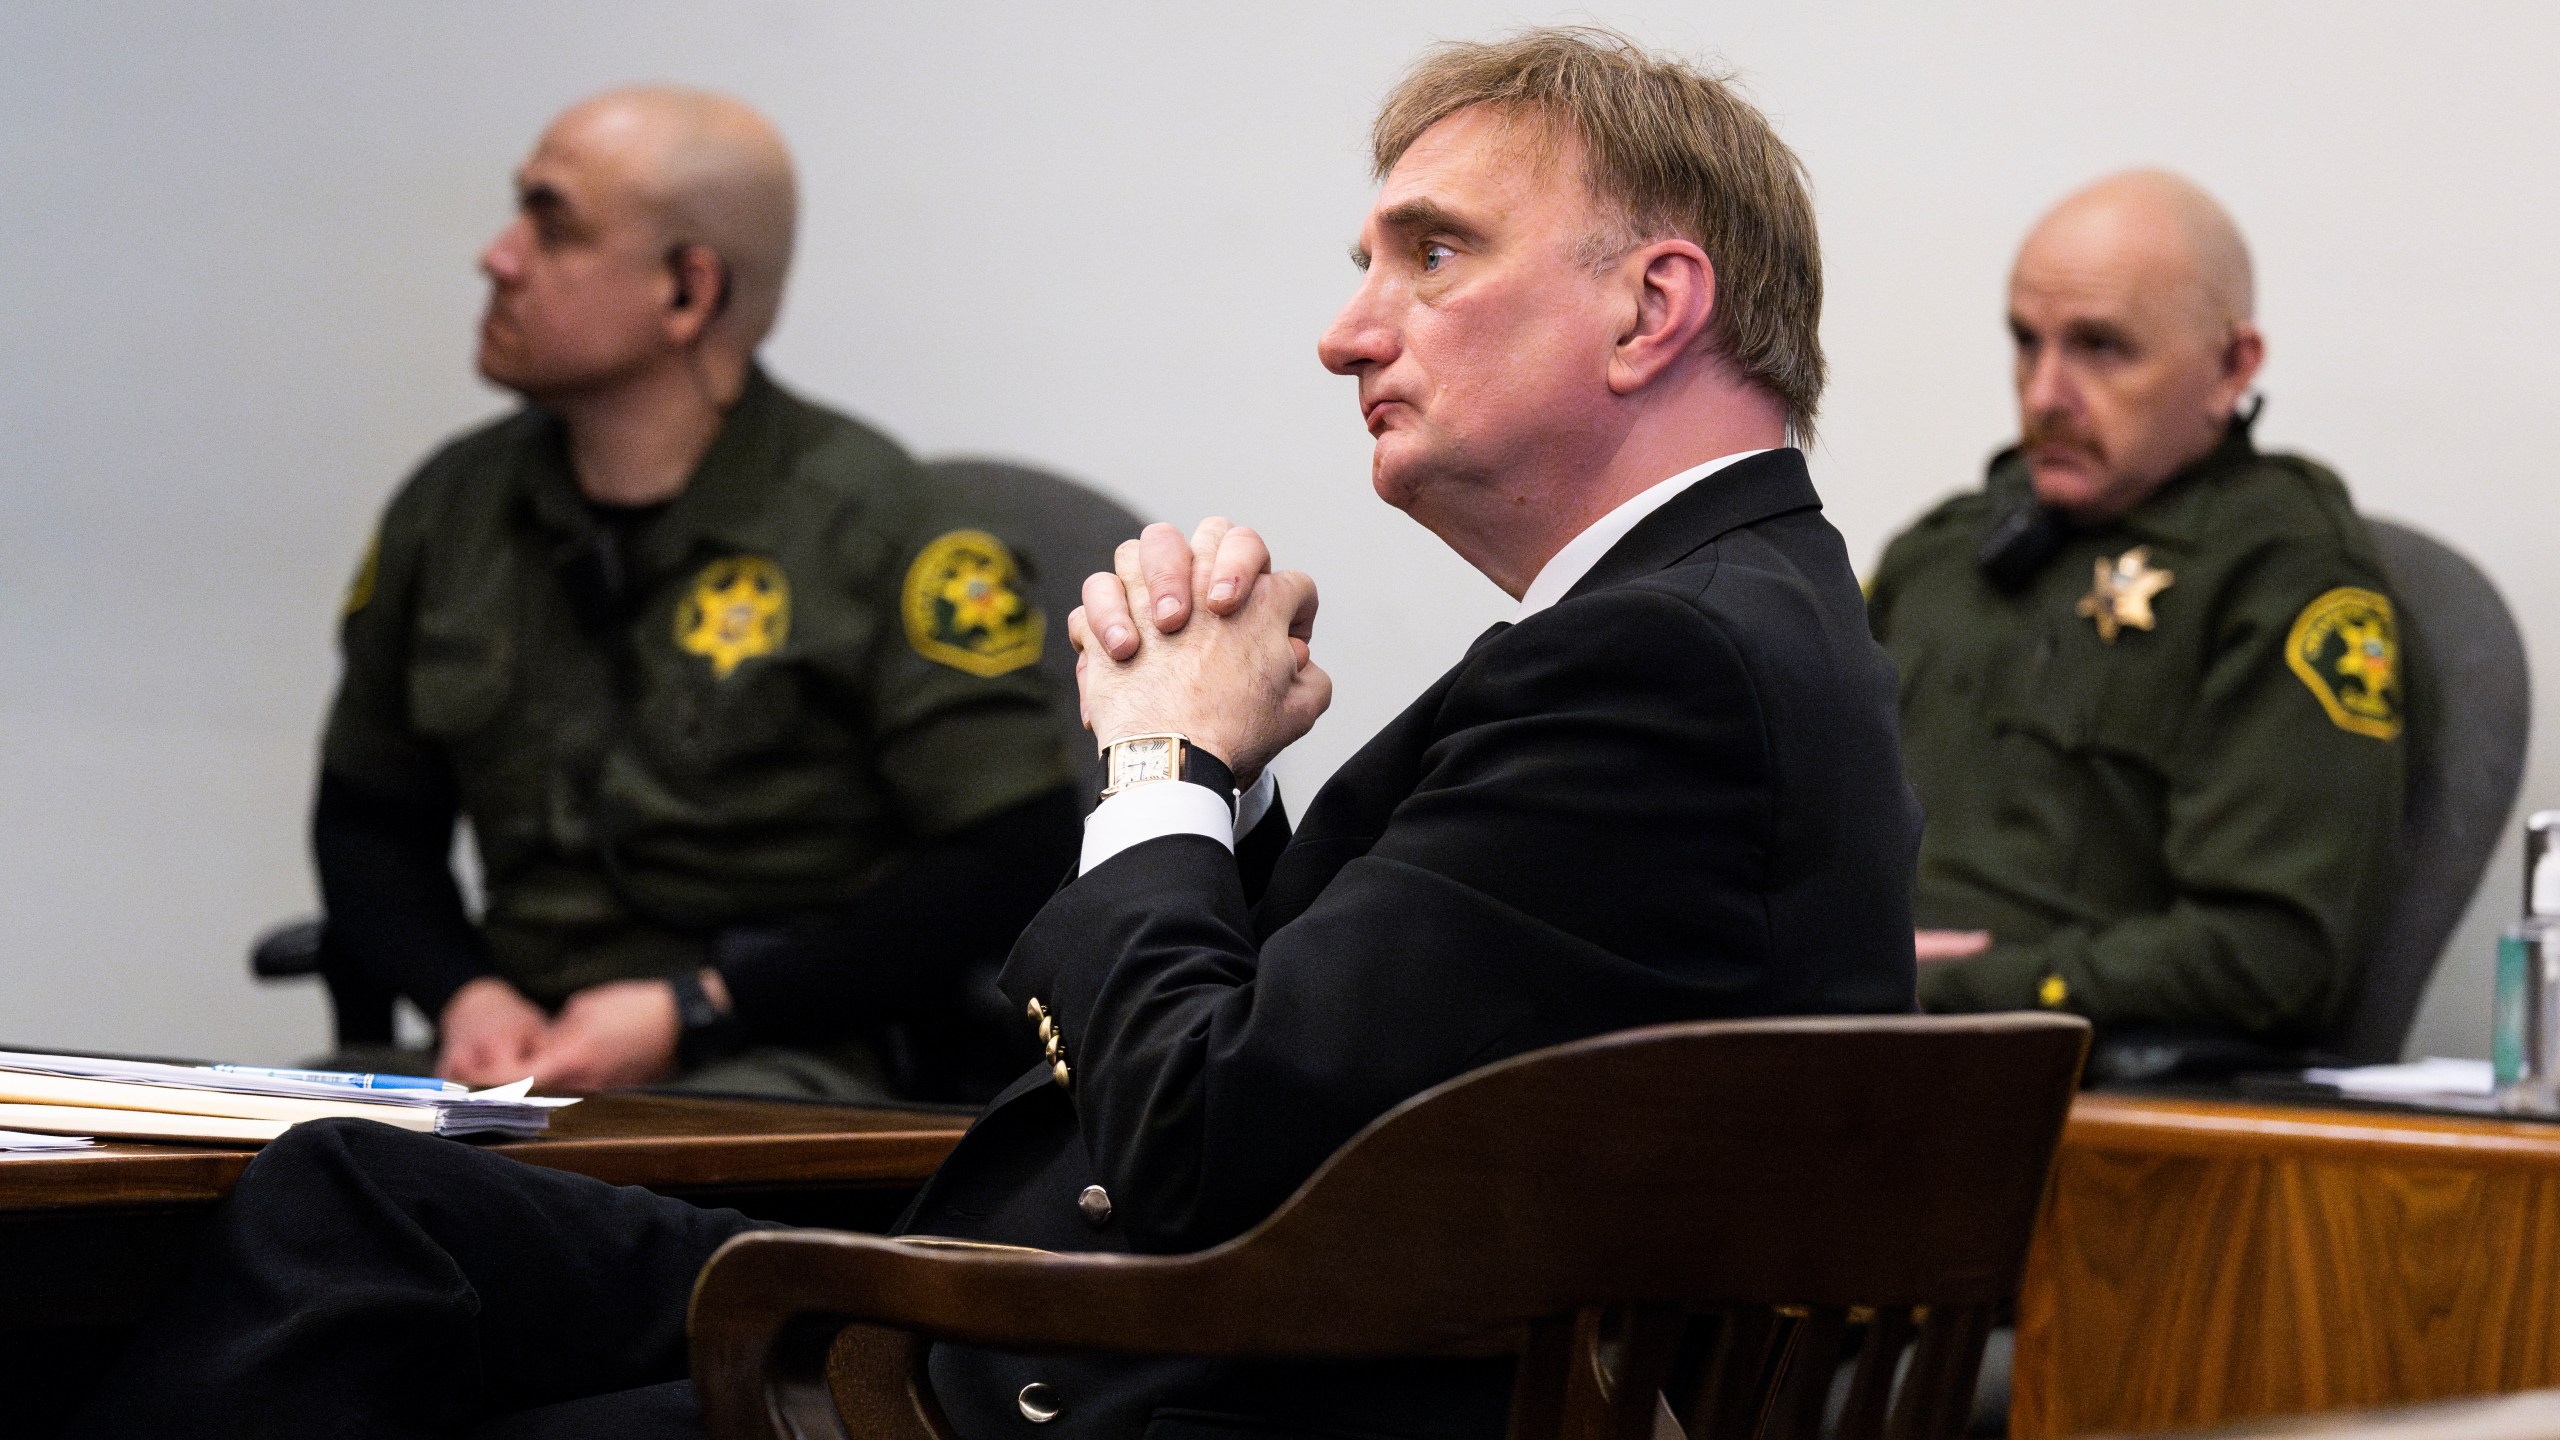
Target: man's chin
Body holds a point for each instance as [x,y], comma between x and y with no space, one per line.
[1393,479]
[2071,488]
[495,365]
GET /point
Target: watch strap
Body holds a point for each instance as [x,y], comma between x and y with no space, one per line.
[705,1031]
[1199,767]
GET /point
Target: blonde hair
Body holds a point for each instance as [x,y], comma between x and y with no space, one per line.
[1667,149]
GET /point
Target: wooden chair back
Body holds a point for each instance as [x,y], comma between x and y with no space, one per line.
[1691,1222]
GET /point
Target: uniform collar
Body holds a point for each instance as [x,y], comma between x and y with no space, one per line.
[2176,512]
[720,501]
[1756,486]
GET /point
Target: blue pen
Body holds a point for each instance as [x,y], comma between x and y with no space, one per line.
[348,1080]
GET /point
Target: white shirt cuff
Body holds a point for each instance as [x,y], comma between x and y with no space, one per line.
[1172,807]
[1255,802]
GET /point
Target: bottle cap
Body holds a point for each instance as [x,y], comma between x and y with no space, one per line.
[2541,875]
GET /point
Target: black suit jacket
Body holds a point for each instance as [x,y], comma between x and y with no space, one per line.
[1674,795]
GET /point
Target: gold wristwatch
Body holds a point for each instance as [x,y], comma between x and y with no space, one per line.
[1134,760]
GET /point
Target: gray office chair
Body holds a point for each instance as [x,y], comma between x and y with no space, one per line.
[2466,759]
[1060,530]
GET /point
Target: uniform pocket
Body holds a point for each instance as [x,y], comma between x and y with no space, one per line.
[699,724]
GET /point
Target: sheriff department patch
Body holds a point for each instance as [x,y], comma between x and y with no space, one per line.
[965,608]
[740,608]
[2346,648]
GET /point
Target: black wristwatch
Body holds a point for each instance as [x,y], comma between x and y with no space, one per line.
[709,1033]
[1135,760]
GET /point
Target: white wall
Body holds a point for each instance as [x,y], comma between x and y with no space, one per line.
[237,296]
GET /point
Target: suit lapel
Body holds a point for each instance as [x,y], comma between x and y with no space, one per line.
[1350,812]
[1746,492]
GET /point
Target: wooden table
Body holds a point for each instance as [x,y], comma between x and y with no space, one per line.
[2204,1262]
[2532,1415]
[87,1238]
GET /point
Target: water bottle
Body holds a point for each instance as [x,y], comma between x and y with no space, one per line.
[2524,1017]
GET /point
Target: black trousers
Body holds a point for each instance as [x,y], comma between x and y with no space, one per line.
[367,1281]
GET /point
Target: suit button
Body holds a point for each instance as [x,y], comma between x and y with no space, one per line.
[1048,1030]
[1058,1072]
[1095,1205]
[1039,1403]
[1036,1010]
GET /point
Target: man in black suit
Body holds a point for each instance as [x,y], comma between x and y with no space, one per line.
[1668,790]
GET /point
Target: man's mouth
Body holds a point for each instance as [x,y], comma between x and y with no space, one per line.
[1373,413]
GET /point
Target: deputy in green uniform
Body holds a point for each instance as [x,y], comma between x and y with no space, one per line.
[2152,687]
[738,706]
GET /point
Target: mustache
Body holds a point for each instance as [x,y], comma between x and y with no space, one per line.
[2047,431]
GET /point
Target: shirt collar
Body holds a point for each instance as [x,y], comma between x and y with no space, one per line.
[722,500]
[1584,550]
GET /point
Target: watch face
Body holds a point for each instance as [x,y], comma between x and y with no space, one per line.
[1137,761]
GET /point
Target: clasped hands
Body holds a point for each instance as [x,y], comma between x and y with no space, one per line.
[1201,638]
[623,1032]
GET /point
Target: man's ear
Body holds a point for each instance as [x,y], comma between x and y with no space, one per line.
[1673,287]
[2242,354]
[699,292]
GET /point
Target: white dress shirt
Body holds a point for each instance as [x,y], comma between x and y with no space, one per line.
[1567,566]
[1149,811]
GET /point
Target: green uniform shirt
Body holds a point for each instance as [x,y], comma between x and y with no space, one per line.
[2187,826]
[817,664]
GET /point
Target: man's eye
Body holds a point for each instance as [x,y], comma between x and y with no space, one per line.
[1434,254]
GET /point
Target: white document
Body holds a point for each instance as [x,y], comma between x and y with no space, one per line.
[253,1107]
[19,1142]
[2416,1080]
[141,1124]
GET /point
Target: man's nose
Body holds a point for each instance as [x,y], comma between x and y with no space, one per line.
[502,259]
[1359,337]
[2045,388]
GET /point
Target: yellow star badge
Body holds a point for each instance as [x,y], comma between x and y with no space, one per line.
[2121,597]
[740,608]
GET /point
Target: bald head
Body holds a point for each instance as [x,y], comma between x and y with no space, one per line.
[2131,306]
[707,170]
[2155,229]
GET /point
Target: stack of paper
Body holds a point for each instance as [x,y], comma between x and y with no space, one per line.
[143,1100]
[19,1142]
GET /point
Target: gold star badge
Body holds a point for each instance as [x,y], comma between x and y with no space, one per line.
[740,608]
[2121,597]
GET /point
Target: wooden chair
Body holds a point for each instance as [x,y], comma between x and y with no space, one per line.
[1696,1220]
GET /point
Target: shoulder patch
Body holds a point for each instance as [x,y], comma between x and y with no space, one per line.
[360,589]
[2345,646]
[964,606]
[739,608]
